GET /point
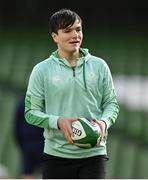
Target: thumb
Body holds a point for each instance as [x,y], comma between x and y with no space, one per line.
[74,119]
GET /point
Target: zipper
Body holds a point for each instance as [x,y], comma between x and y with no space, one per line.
[84,78]
[73,69]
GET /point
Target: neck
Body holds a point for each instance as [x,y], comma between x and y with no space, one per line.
[70,57]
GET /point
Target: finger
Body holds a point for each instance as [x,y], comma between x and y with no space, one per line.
[101,129]
[69,139]
[99,140]
[93,122]
[70,127]
[69,133]
[100,125]
[74,119]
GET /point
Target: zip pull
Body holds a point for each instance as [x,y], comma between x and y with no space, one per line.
[73,69]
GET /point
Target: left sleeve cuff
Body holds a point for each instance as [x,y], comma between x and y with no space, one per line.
[108,123]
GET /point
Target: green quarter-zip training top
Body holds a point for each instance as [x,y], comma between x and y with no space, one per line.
[56,90]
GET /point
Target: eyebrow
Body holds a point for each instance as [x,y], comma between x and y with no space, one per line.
[70,27]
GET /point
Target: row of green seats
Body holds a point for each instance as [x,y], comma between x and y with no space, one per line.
[128,158]
[8,151]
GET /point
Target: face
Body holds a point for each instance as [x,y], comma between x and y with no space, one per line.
[69,39]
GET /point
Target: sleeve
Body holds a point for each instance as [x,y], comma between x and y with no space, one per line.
[35,102]
[110,105]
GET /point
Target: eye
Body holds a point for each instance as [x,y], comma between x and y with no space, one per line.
[79,29]
[67,30]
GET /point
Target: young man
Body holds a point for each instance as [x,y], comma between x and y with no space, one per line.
[71,83]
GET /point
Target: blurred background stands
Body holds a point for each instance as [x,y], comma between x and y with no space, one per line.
[118,33]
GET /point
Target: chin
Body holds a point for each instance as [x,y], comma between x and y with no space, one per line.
[74,49]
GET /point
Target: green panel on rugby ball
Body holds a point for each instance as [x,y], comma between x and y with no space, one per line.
[86,134]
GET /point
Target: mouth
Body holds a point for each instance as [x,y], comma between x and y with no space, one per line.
[75,42]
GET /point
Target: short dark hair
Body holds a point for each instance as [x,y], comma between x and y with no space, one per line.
[62,19]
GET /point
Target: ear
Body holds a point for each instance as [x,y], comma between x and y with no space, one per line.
[54,36]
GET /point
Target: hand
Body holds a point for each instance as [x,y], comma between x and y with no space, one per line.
[64,125]
[103,127]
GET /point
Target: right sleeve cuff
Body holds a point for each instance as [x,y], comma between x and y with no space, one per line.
[53,120]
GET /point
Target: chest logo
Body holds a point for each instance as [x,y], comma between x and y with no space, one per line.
[91,76]
[56,79]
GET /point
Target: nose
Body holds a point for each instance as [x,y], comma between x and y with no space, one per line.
[75,33]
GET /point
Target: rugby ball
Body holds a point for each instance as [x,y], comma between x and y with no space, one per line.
[86,134]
